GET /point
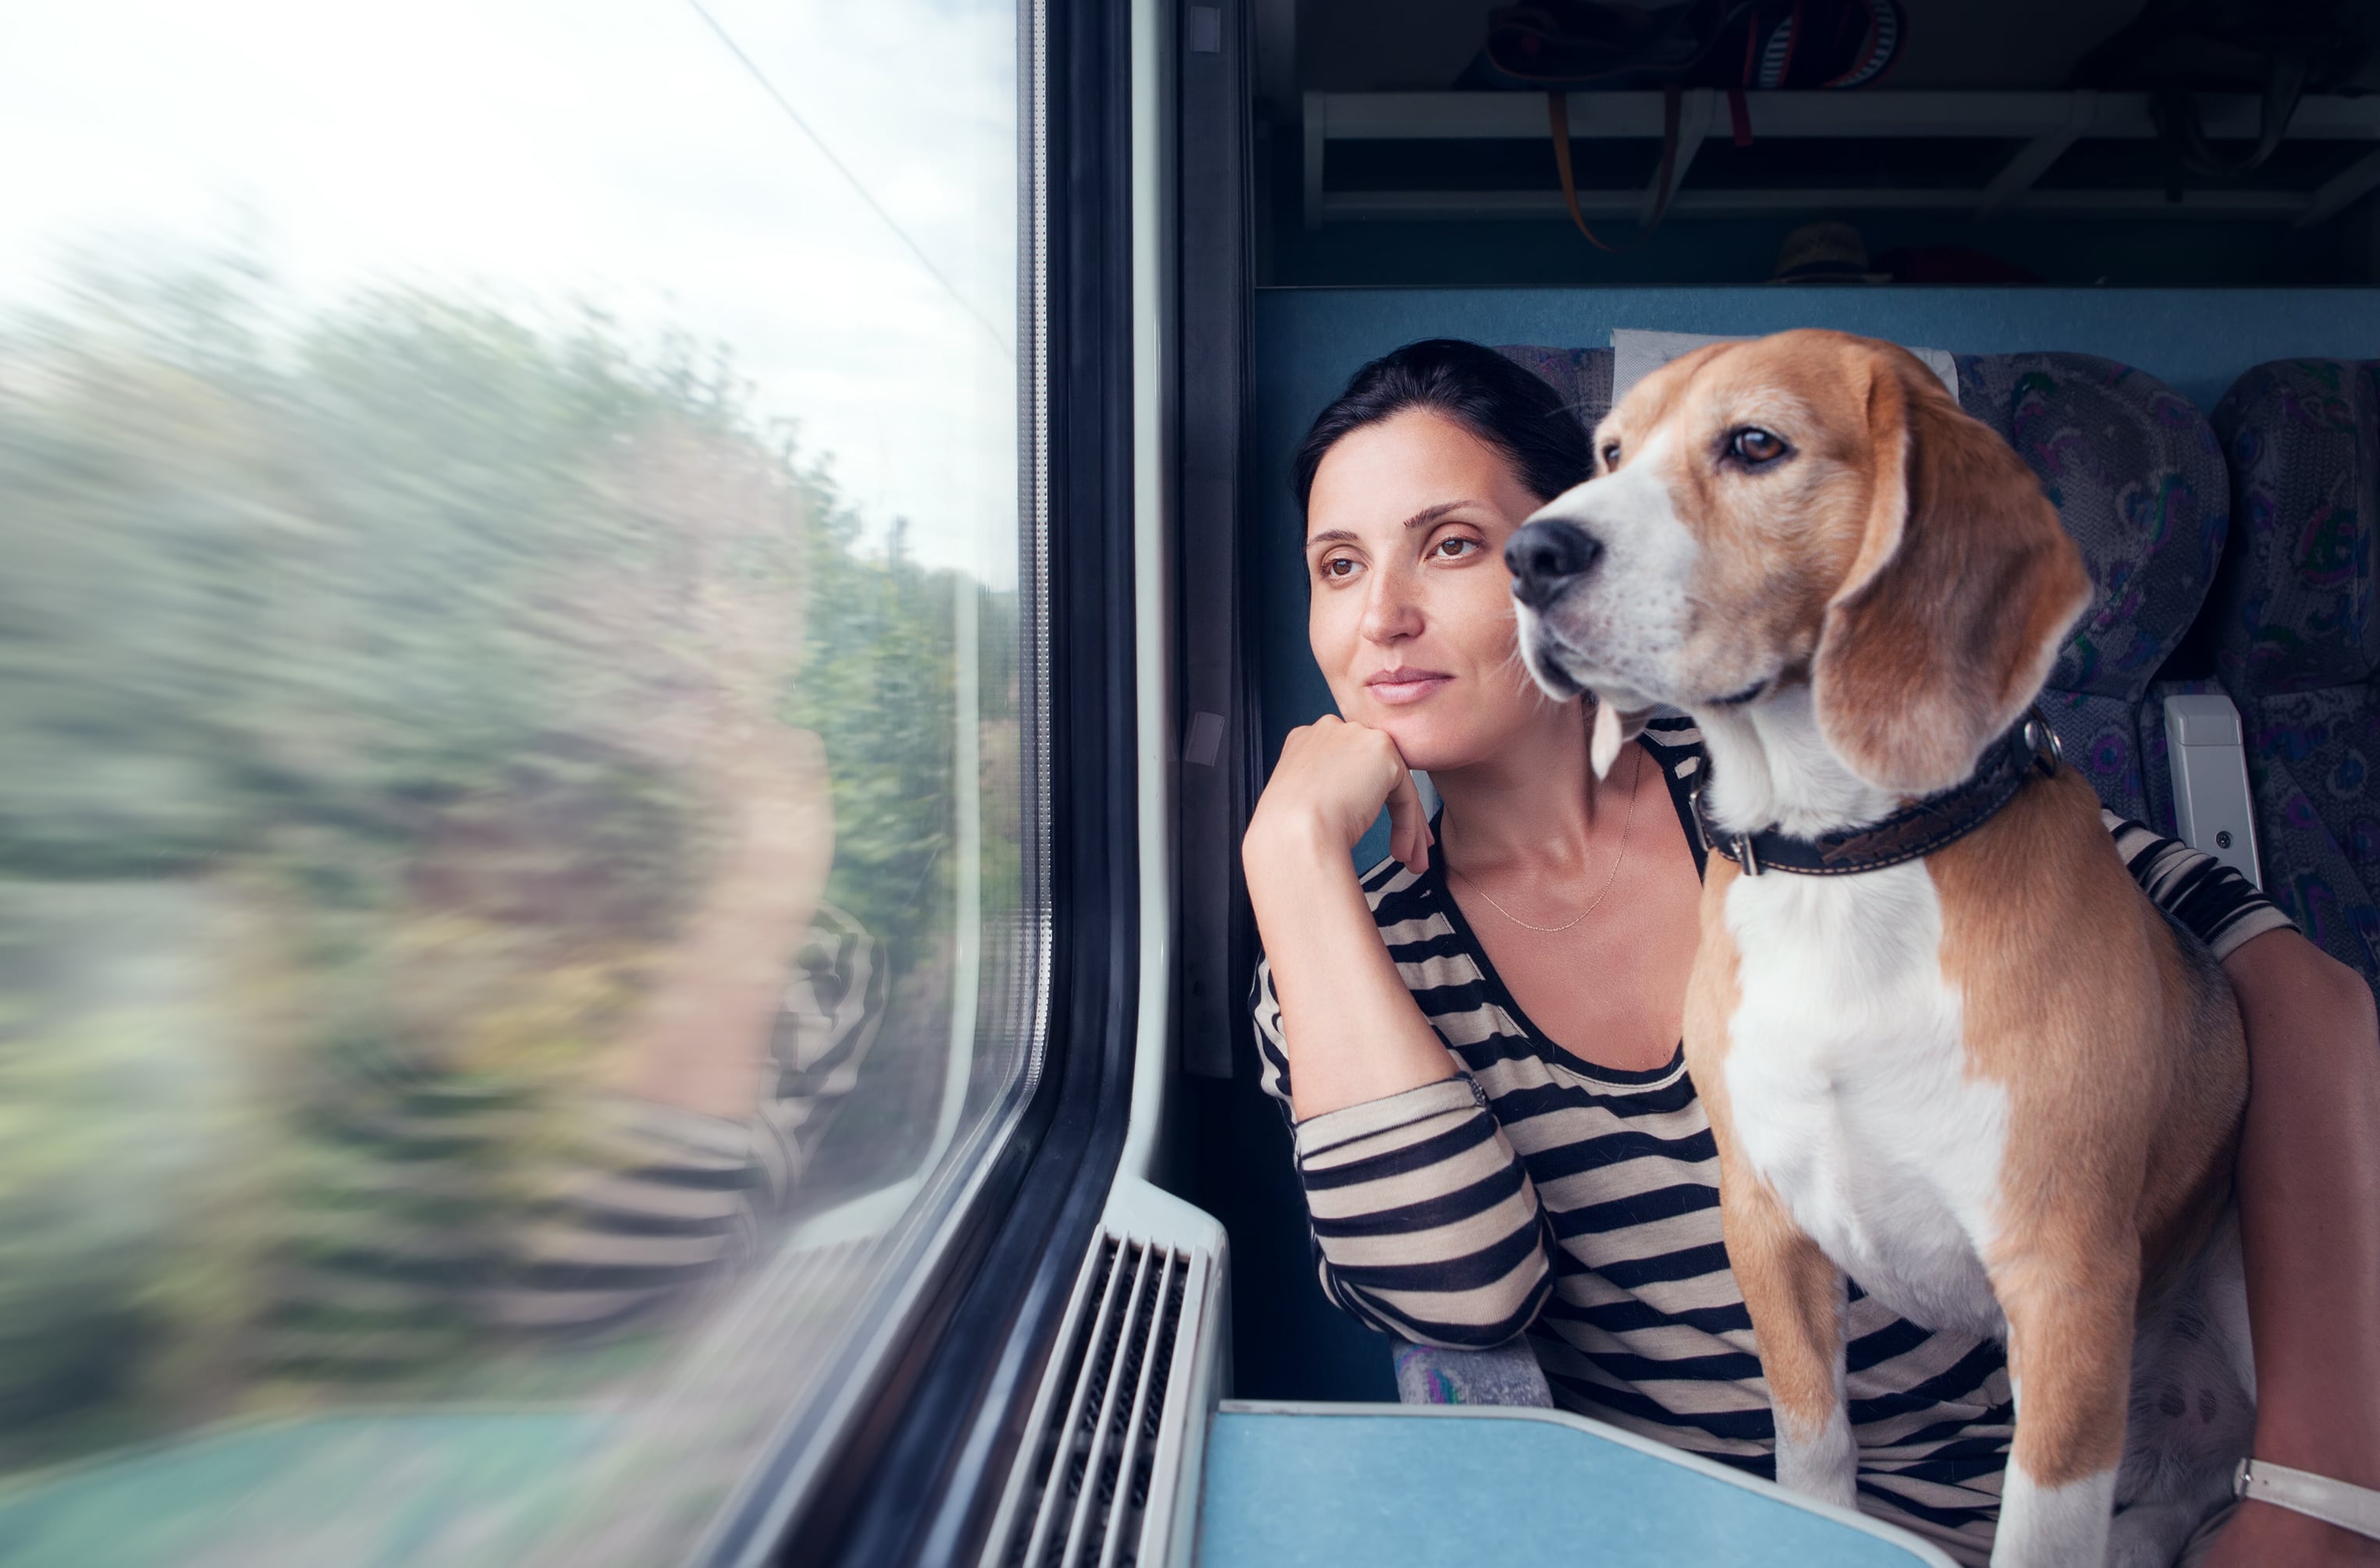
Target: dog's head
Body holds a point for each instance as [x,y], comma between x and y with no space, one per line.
[1809,507]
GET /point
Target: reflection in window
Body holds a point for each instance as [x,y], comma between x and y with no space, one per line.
[512,788]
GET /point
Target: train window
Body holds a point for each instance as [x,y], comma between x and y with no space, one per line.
[518,915]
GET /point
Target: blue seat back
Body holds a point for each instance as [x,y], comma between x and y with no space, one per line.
[2297,641]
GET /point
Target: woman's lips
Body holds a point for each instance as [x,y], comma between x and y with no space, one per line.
[1398,687]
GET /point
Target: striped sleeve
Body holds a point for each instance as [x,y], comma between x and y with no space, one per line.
[1425,1224]
[2201,892]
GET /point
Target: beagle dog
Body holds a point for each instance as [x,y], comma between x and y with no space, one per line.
[1949,1049]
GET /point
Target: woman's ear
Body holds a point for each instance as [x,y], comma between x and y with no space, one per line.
[1960,596]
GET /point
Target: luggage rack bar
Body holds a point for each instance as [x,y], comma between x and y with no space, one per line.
[2049,124]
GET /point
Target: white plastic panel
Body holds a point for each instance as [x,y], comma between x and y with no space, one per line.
[1113,1455]
[2211,806]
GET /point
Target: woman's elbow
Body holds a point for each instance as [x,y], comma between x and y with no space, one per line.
[2347,996]
[2297,1000]
[1503,1329]
[1477,1318]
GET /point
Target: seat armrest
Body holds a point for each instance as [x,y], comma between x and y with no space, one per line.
[2211,806]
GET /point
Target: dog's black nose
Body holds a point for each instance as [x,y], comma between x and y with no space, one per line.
[1545,556]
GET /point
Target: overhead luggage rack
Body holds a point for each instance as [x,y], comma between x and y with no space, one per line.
[2043,126]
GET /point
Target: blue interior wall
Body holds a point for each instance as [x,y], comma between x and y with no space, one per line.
[1304,343]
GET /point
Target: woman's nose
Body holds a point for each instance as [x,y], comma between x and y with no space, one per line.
[1390,613]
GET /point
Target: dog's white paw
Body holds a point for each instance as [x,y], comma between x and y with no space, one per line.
[1825,1465]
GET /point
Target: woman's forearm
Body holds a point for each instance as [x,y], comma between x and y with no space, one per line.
[1352,1031]
[2309,1190]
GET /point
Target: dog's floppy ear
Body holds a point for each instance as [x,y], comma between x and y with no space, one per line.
[1955,606]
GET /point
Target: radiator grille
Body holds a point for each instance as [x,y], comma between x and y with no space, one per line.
[1084,1492]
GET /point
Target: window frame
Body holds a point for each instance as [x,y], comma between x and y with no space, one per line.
[913,1474]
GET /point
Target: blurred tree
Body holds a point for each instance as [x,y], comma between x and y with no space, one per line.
[360,661]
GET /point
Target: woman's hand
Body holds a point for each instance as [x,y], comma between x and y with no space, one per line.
[1326,791]
[1352,1031]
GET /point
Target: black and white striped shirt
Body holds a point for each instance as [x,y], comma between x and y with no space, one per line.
[1534,1190]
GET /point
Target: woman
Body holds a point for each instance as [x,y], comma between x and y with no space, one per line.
[1478,1039]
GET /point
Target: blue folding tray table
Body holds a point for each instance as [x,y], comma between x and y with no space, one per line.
[1406,1486]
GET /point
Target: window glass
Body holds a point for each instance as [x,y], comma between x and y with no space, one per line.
[516,914]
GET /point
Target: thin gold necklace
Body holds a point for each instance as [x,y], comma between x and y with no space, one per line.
[1635,790]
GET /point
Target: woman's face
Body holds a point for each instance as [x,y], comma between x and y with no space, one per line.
[1410,614]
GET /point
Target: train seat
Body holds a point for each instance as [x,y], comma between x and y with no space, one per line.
[2297,642]
[2138,479]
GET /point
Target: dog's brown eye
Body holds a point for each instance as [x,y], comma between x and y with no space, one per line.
[1612,454]
[1756,446]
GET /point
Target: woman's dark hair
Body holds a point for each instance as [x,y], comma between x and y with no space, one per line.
[1505,405]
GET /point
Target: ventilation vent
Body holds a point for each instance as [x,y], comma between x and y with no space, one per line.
[1109,1459]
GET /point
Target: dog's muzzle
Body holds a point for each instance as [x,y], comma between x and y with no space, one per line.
[1547,556]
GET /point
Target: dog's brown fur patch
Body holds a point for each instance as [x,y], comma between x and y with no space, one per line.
[2121,1053]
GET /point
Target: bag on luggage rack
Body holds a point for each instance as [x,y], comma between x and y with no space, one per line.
[2281,49]
[1586,45]
[1558,47]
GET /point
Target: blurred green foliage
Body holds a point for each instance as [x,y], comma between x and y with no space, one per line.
[363,678]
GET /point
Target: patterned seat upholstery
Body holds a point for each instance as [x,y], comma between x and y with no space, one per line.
[1583,376]
[2297,642]
[2138,479]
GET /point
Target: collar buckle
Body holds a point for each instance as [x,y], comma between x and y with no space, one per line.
[2042,742]
[1738,846]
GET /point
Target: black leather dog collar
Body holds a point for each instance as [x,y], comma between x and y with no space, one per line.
[1907,834]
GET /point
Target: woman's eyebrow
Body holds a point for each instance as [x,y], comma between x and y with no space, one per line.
[1432,513]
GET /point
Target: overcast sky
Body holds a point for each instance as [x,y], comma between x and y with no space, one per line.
[540,151]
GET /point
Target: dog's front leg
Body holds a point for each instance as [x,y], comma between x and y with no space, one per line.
[2069,1314]
[1796,1296]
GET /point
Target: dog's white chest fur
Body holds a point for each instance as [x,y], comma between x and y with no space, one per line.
[1849,1089]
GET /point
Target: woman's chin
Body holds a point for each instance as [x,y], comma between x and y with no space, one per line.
[1433,741]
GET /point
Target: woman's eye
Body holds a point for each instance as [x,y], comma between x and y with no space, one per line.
[1455,549]
[1610,455]
[1756,446]
[1339,566]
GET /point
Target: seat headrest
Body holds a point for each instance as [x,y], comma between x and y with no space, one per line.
[1583,376]
[2294,610]
[2138,479]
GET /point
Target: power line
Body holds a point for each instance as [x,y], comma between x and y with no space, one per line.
[841,168]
